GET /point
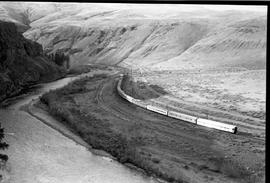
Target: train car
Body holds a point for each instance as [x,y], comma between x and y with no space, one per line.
[182,116]
[119,87]
[139,103]
[157,109]
[119,84]
[129,98]
[121,93]
[217,125]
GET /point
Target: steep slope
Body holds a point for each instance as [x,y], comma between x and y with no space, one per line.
[22,62]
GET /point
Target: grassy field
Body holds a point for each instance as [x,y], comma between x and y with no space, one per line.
[242,92]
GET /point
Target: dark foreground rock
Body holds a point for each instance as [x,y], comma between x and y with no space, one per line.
[22,62]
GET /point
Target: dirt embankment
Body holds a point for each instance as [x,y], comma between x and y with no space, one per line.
[162,146]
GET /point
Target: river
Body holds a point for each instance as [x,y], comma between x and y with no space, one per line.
[39,154]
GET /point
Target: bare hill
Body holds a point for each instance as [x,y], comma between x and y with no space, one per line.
[240,44]
[171,37]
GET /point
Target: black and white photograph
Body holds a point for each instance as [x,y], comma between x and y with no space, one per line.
[133,92]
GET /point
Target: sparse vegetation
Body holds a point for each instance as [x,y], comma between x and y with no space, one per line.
[138,89]
[100,133]
[59,58]
[86,68]
[221,93]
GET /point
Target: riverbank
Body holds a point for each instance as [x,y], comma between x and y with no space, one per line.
[40,111]
[39,153]
[98,134]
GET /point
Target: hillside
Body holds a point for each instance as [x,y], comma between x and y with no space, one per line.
[22,62]
[241,44]
[154,37]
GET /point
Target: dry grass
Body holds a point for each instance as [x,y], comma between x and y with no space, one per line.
[243,92]
[75,70]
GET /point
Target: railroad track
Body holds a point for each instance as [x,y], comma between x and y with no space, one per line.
[101,102]
[123,114]
[156,121]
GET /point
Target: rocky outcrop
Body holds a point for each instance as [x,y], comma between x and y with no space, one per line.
[22,62]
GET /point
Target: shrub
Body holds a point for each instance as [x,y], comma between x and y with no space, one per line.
[59,58]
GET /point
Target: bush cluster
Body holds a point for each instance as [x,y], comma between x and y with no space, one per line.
[59,58]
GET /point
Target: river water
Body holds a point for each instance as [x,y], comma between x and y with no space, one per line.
[40,154]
